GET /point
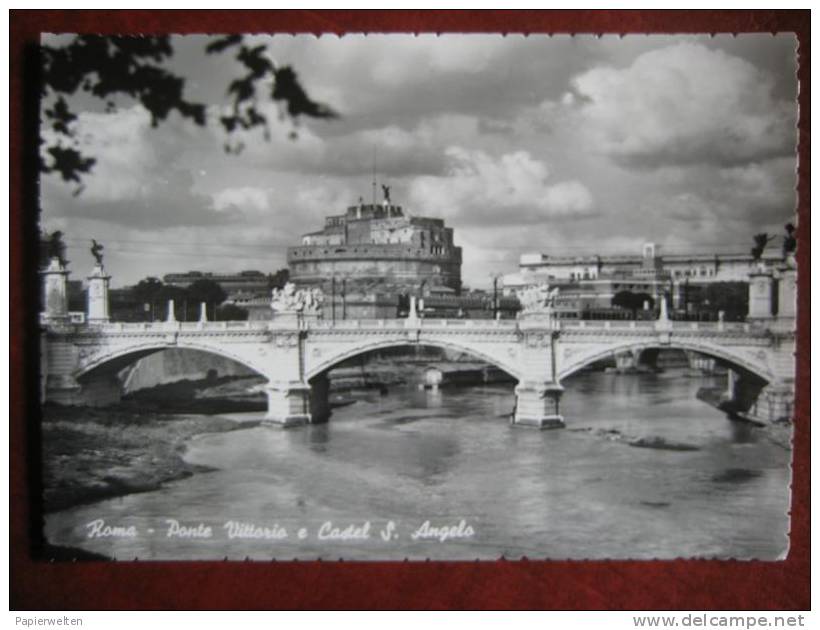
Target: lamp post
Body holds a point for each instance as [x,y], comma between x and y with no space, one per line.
[420,300]
[495,297]
[333,299]
[495,278]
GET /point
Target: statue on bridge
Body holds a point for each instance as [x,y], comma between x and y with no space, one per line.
[292,300]
[537,299]
[55,248]
[96,251]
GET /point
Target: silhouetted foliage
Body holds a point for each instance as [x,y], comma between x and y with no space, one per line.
[205,290]
[170,292]
[705,301]
[147,290]
[231,312]
[279,279]
[106,68]
[730,297]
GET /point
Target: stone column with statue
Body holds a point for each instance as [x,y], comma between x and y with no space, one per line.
[787,278]
[98,284]
[538,395]
[55,297]
[291,400]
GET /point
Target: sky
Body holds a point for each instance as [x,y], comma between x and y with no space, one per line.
[560,145]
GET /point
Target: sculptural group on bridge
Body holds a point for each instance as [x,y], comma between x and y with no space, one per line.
[538,298]
[289,299]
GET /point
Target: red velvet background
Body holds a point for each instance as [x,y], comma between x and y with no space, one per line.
[701,584]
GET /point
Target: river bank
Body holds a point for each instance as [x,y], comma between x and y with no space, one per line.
[92,454]
[643,470]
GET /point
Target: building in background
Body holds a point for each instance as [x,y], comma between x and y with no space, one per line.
[704,268]
[246,282]
[376,246]
[588,284]
[371,259]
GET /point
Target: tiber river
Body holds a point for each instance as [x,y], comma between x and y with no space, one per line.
[442,475]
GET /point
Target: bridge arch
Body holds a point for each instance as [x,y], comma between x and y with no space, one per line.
[115,359]
[328,363]
[737,362]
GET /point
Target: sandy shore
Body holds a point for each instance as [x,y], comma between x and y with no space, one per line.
[93,454]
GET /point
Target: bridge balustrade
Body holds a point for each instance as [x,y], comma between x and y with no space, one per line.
[398,324]
[614,324]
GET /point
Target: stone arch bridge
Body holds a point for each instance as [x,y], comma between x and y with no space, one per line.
[80,361]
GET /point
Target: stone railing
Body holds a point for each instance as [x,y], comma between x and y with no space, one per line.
[620,324]
[161,326]
[400,324]
[403,323]
[71,317]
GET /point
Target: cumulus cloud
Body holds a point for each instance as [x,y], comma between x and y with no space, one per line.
[684,104]
[136,180]
[481,188]
[758,192]
[519,143]
[398,151]
[245,198]
[391,150]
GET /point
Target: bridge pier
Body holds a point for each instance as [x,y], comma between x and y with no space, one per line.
[631,361]
[537,405]
[288,403]
[294,403]
[766,402]
[775,403]
[742,392]
[319,399]
[58,360]
[64,389]
[626,362]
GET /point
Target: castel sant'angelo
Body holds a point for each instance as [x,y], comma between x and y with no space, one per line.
[378,247]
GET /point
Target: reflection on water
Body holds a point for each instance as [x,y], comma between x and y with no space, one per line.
[446,457]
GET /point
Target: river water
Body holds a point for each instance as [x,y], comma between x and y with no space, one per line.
[362,486]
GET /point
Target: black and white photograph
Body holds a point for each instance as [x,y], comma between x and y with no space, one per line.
[385,297]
